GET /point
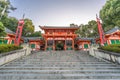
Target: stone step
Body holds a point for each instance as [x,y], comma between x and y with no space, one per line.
[81,66]
[60,68]
[17,62]
[34,60]
[57,66]
[59,72]
[62,65]
[66,64]
[69,66]
[70,79]
[30,62]
[60,76]
[59,62]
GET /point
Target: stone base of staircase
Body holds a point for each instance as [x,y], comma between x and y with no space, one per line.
[59,65]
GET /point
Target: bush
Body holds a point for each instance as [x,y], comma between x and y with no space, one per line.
[8,47]
[112,48]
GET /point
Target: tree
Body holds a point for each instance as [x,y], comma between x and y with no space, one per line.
[2,29]
[110,14]
[88,30]
[10,23]
[6,7]
[92,28]
[28,27]
[35,34]
[73,25]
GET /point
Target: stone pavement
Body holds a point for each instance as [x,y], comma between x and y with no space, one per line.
[59,65]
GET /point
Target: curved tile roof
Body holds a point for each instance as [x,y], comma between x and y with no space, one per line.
[9,31]
[58,27]
[113,30]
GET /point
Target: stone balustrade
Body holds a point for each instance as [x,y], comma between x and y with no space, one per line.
[12,55]
[106,55]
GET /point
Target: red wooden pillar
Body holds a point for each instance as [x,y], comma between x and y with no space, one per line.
[53,44]
[9,41]
[73,44]
[108,41]
[65,44]
[45,44]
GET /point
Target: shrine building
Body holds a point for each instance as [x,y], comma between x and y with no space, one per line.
[112,36]
[59,38]
[9,38]
[53,38]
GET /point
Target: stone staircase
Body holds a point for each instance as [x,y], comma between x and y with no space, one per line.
[59,65]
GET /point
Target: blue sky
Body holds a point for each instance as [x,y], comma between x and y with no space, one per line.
[57,12]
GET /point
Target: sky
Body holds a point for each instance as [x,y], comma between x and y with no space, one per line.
[57,12]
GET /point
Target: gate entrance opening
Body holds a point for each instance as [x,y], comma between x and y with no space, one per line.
[59,45]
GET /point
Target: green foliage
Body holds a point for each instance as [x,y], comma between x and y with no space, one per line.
[35,34]
[112,48]
[8,47]
[2,29]
[8,5]
[10,23]
[73,25]
[28,27]
[110,14]
[88,30]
